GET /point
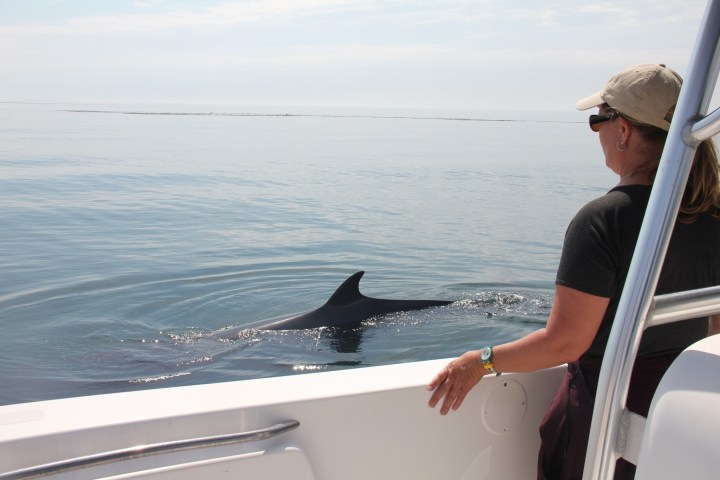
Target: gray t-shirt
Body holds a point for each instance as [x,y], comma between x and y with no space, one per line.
[596,255]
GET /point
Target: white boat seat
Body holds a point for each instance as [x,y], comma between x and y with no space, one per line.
[681,432]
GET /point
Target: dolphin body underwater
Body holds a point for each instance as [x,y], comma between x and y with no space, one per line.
[347,307]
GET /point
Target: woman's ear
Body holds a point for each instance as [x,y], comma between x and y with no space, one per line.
[625,131]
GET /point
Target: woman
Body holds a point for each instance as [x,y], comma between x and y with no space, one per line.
[634,113]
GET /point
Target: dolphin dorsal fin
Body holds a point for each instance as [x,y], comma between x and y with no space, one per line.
[348,292]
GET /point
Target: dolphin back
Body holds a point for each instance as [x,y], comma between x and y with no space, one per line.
[348,298]
[345,308]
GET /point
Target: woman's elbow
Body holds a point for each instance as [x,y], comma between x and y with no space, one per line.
[572,356]
[564,349]
[570,351]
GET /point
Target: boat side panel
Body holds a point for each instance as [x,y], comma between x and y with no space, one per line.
[354,424]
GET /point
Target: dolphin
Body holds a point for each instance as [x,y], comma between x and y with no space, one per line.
[347,307]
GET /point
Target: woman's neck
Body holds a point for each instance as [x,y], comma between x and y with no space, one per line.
[637,169]
[635,178]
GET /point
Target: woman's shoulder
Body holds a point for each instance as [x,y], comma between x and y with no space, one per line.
[627,199]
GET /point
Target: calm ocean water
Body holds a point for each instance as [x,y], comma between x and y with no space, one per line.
[130,234]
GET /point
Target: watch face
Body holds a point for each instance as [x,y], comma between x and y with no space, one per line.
[485,354]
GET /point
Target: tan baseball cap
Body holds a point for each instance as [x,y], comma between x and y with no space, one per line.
[646,93]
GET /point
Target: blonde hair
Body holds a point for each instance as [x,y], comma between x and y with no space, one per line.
[702,192]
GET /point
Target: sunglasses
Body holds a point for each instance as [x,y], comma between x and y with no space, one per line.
[596,120]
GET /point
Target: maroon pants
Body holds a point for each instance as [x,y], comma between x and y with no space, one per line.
[565,429]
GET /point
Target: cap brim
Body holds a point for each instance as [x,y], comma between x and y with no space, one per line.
[589,102]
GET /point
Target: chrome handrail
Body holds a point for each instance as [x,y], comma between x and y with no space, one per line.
[674,307]
[637,298]
[705,128]
[149,450]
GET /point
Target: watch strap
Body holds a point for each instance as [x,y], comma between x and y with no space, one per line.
[486,356]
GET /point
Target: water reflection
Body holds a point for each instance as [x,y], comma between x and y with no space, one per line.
[344,340]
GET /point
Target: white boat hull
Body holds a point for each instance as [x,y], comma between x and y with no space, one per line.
[354,424]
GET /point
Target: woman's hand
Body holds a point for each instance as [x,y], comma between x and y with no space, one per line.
[456,380]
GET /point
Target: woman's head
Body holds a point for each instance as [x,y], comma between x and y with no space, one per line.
[644,97]
[645,93]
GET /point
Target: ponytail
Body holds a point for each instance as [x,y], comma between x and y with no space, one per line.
[702,192]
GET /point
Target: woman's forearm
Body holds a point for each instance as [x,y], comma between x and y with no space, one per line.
[535,351]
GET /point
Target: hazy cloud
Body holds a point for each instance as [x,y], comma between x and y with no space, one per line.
[458,52]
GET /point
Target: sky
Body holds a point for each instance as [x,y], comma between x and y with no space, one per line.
[478,54]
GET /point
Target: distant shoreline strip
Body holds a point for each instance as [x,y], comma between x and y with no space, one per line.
[318,115]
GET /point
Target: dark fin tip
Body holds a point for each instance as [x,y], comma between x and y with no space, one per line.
[348,292]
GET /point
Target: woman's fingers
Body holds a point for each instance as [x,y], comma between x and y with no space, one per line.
[439,386]
[454,382]
[438,379]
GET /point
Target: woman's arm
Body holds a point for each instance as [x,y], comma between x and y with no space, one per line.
[574,321]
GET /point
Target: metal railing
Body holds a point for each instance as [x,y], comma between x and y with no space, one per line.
[150,450]
[675,307]
[690,126]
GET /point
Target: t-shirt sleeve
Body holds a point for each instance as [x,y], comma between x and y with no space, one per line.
[589,263]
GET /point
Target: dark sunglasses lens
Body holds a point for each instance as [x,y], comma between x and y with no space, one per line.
[595,121]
